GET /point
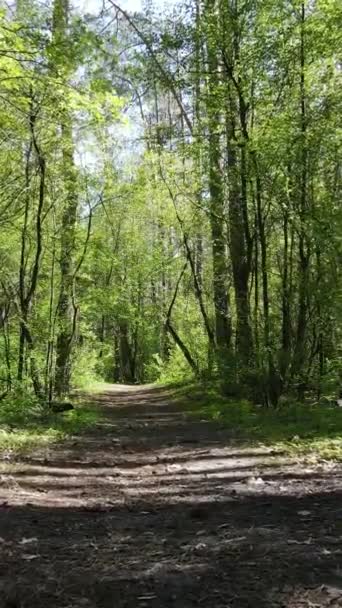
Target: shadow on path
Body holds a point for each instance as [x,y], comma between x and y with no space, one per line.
[154,509]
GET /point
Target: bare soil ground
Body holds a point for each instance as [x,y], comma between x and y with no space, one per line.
[154,509]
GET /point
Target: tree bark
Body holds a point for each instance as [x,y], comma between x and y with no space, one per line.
[223,329]
[303,245]
[66,318]
[28,285]
[241,244]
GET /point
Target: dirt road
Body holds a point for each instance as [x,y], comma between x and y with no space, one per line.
[154,509]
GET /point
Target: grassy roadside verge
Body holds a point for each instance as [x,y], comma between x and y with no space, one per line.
[24,424]
[302,429]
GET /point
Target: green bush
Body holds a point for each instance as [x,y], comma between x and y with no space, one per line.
[176,369]
[85,368]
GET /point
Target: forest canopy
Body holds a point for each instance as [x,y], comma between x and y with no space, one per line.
[170,196]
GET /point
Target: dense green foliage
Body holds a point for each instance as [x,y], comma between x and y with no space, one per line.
[169,197]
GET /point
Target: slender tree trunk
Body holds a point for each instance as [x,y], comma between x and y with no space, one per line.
[22,267]
[286,304]
[198,128]
[102,335]
[51,329]
[116,358]
[66,318]
[273,388]
[28,285]
[21,352]
[7,349]
[223,328]
[35,377]
[65,315]
[126,366]
[256,293]
[238,250]
[303,247]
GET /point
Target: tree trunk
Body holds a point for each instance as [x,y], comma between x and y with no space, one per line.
[238,250]
[28,284]
[66,308]
[223,329]
[241,245]
[303,246]
[126,359]
[286,305]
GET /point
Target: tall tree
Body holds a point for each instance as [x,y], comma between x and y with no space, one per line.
[66,316]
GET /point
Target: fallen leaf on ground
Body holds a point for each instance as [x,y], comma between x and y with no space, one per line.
[292,541]
[256,481]
[26,541]
[235,540]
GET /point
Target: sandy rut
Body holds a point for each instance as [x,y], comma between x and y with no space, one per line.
[152,508]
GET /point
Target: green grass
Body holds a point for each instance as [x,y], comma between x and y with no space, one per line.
[301,429]
[25,425]
[297,428]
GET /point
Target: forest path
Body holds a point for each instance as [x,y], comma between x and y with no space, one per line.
[152,508]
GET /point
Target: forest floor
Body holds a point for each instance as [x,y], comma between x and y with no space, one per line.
[154,508]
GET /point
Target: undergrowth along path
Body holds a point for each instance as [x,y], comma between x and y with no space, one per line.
[153,508]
